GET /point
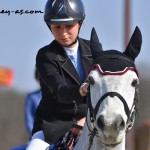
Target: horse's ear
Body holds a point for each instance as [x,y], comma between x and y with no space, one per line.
[95,45]
[134,45]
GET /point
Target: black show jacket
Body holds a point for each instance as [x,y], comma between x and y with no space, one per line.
[61,102]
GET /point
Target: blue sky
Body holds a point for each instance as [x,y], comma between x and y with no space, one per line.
[21,36]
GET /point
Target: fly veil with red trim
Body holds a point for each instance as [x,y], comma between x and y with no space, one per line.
[113,61]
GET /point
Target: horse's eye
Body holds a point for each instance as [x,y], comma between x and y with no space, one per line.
[91,80]
[135,83]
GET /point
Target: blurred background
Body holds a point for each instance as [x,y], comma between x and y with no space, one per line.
[23,32]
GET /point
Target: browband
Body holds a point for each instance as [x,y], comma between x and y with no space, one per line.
[98,67]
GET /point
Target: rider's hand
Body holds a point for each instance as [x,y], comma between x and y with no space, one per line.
[83,90]
[77,131]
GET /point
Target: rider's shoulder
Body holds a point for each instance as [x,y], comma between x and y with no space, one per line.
[49,50]
[84,41]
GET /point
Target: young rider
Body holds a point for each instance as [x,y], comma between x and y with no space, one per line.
[62,67]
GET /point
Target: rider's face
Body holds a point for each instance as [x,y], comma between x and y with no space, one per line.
[65,34]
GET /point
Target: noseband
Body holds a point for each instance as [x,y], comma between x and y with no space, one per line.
[93,111]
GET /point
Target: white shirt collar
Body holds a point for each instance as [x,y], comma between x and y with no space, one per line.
[72,50]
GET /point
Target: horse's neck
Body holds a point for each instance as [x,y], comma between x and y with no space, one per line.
[83,142]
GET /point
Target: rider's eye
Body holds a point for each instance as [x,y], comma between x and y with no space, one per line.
[135,83]
[91,80]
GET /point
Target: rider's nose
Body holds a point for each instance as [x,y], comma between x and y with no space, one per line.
[64,31]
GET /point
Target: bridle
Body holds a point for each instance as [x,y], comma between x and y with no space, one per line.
[93,111]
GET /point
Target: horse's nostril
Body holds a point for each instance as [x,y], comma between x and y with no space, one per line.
[100,122]
[120,124]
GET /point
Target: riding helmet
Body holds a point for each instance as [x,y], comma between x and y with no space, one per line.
[64,11]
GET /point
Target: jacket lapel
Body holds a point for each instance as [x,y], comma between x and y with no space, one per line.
[67,65]
[86,56]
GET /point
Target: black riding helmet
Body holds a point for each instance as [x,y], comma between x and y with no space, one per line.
[64,11]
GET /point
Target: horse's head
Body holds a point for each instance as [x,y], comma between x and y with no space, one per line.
[113,95]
